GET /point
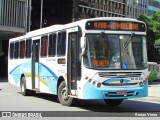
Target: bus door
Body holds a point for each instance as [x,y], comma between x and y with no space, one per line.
[73,62]
[35,64]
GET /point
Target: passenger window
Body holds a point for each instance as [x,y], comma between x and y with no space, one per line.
[11,50]
[22,49]
[44,46]
[28,48]
[16,50]
[52,45]
[61,44]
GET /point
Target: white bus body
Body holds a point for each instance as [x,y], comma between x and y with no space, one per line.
[79,60]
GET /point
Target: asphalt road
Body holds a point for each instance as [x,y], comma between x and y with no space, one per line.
[12,100]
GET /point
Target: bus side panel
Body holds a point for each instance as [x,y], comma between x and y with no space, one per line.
[47,77]
[13,72]
[16,69]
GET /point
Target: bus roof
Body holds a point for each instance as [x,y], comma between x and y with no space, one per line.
[65,26]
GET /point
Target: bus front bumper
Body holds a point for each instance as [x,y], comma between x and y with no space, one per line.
[93,92]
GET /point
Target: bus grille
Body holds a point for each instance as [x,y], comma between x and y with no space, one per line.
[114,94]
[119,84]
[119,74]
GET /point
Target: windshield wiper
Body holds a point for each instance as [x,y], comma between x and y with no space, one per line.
[129,40]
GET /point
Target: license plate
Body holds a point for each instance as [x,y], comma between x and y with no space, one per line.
[124,92]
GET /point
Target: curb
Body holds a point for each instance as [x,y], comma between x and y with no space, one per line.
[149,99]
[3,80]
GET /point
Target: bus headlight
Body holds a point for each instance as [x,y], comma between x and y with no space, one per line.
[95,83]
[141,83]
[98,84]
[89,80]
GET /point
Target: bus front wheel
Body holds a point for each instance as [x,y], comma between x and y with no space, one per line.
[113,102]
[63,98]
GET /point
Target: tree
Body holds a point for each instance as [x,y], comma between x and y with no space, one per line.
[153,35]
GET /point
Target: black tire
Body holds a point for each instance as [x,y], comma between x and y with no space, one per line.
[62,95]
[24,90]
[113,102]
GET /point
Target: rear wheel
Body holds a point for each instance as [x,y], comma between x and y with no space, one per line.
[62,95]
[113,102]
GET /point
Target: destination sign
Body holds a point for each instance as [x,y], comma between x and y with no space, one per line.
[115,25]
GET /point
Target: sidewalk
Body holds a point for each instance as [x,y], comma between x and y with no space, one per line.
[154,89]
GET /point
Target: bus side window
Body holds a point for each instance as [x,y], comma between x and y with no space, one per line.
[16,50]
[152,67]
[44,46]
[11,50]
[22,49]
[28,48]
[61,44]
[52,45]
[149,67]
[155,67]
[158,68]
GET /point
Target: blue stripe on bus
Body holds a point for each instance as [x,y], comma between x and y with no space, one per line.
[25,68]
[49,77]
[114,80]
[15,68]
[52,73]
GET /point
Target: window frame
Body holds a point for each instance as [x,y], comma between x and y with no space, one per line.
[52,44]
[28,48]
[11,50]
[16,49]
[22,49]
[61,43]
[44,46]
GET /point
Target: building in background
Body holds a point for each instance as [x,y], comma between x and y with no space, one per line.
[101,8]
[65,11]
[136,7]
[20,16]
[13,22]
[153,6]
[53,12]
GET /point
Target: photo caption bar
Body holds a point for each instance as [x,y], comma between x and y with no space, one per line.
[76,114]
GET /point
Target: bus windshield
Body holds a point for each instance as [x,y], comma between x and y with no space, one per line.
[108,51]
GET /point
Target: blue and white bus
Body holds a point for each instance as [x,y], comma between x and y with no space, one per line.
[98,58]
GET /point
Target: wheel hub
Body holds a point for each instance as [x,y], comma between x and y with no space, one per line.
[64,94]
